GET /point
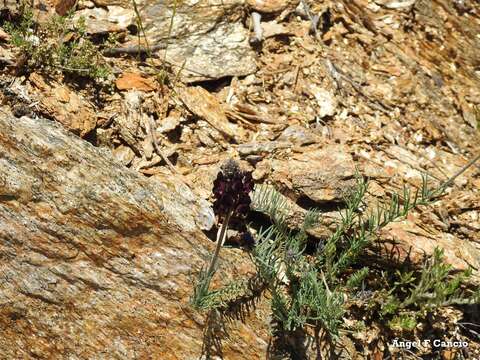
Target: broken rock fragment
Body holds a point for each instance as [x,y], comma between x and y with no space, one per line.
[326,101]
[66,106]
[269,6]
[101,20]
[206,106]
[322,175]
[130,81]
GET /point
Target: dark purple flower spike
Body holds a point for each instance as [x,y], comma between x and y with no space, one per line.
[231,190]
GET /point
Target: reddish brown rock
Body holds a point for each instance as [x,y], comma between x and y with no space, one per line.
[67,107]
[134,81]
[62,7]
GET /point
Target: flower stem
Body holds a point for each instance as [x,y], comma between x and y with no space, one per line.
[222,234]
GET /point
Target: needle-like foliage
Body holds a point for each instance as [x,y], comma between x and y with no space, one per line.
[313,289]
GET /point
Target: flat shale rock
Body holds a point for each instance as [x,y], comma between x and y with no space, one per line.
[67,107]
[204,105]
[320,175]
[207,39]
[96,260]
[202,40]
[406,241]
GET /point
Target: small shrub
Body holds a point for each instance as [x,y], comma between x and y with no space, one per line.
[412,295]
[60,46]
[317,289]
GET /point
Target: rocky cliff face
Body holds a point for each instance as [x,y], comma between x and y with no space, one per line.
[96,261]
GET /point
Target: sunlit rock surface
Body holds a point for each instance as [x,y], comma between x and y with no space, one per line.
[96,260]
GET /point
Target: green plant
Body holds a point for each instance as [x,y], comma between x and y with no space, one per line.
[138,20]
[59,46]
[314,287]
[433,287]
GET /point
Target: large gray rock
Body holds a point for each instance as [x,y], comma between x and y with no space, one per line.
[96,260]
[202,40]
[207,35]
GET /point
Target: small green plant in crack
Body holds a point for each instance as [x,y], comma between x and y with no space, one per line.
[59,46]
[414,295]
